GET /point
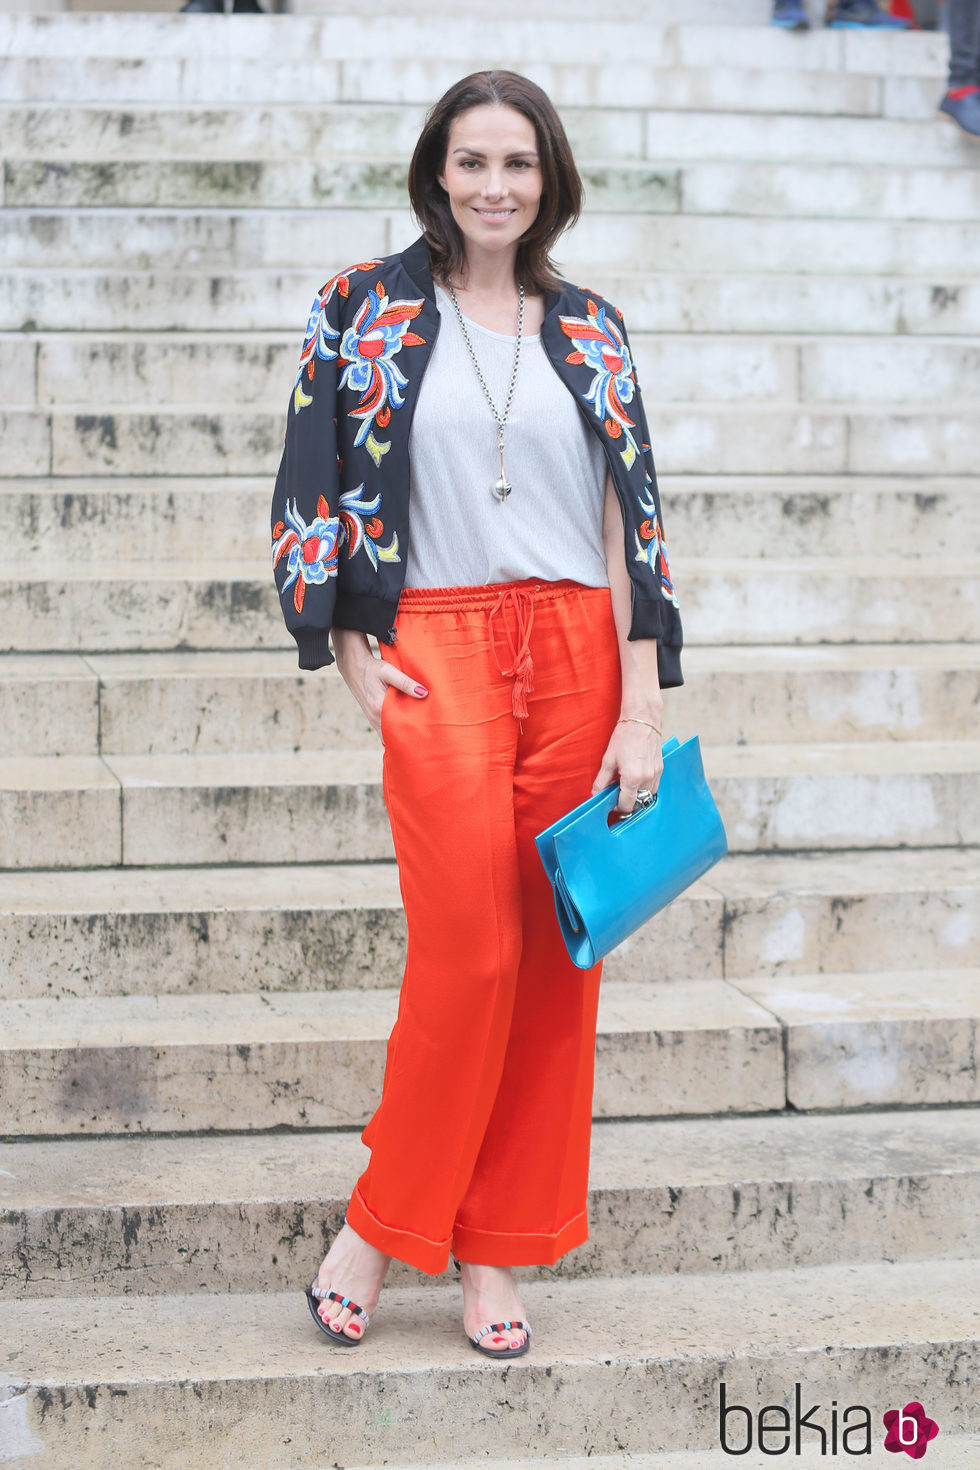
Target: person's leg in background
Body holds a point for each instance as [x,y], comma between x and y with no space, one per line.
[861,15]
[962,99]
[791,15]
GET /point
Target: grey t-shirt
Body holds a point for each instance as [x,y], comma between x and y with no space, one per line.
[550,526]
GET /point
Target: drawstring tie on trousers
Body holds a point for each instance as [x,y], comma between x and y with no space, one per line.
[521,666]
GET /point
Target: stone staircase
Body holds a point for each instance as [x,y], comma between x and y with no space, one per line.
[201,935]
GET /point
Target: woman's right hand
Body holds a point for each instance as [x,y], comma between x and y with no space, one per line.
[367,676]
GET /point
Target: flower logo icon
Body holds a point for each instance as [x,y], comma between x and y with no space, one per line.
[909,1429]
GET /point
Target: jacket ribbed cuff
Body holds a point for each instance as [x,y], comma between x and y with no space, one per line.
[314,648]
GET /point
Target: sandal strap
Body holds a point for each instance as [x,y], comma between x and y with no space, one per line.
[524,1327]
[334,1296]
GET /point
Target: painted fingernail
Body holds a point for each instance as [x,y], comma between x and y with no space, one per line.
[421,689]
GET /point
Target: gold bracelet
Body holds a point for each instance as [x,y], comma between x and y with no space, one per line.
[635,720]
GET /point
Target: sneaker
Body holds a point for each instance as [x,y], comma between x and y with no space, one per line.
[962,104]
[858,15]
[791,15]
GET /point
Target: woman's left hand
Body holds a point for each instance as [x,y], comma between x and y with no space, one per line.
[633,756]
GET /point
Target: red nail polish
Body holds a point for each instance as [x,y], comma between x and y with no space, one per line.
[421,689]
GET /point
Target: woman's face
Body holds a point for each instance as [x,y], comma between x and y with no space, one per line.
[492,175]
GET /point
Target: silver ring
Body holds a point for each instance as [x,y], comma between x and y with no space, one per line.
[644,798]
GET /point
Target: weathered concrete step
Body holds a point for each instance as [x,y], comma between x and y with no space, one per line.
[144,131]
[220,368]
[194,81]
[43,291]
[421,35]
[210,291]
[119,1216]
[152,1064]
[866,1334]
[184,703]
[184,931]
[187,605]
[221,241]
[874,1040]
[563,38]
[175,605]
[959,1451]
[722,515]
[72,811]
[662,185]
[705,438]
[859,692]
[381,183]
[323,805]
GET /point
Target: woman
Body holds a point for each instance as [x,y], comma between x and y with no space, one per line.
[536,625]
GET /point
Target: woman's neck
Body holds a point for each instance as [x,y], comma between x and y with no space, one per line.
[488,275]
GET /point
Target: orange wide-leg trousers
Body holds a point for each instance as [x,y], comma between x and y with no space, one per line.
[480,1143]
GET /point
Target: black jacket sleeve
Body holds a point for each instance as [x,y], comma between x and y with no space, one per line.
[306,527]
[650,545]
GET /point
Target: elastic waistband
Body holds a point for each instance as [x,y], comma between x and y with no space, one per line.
[441,599]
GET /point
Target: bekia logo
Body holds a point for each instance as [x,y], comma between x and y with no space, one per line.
[909,1429]
[778,1430]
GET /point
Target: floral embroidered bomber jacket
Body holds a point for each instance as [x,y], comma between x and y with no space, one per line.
[340,510]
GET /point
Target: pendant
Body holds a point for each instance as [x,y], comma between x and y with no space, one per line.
[502,488]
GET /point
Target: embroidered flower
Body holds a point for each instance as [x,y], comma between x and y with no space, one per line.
[378,333]
[319,332]
[601,346]
[650,545]
[310,550]
[360,533]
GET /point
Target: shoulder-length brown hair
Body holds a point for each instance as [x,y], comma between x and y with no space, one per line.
[561,196]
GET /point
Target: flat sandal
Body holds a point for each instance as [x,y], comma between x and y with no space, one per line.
[524,1327]
[315,1294]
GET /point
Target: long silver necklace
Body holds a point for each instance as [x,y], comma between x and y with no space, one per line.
[502,488]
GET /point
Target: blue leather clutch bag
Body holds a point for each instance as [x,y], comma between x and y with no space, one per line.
[610,880]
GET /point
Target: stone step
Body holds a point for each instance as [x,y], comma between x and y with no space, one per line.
[722,515]
[145,131]
[565,39]
[195,80]
[703,438]
[195,1375]
[183,931]
[118,1216]
[186,1063]
[834,1041]
[179,606]
[182,703]
[752,301]
[327,806]
[54,298]
[959,1451]
[350,183]
[223,369]
[655,186]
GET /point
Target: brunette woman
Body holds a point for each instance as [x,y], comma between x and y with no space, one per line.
[467,476]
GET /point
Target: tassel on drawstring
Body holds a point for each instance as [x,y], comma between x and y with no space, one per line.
[523,684]
[521,666]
